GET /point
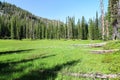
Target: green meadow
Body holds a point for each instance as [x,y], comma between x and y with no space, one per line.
[53,59]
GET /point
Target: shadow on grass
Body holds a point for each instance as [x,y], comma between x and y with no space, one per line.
[15,51]
[47,74]
[4,66]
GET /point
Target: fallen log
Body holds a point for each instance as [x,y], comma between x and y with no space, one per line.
[92,75]
[86,75]
[90,45]
[97,45]
[104,51]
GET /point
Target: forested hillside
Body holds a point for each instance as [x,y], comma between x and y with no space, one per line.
[16,23]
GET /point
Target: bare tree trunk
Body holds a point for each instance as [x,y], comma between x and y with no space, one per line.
[102,19]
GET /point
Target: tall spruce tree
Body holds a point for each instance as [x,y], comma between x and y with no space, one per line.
[0,27]
[84,29]
[12,28]
[97,34]
[91,29]
[79,28]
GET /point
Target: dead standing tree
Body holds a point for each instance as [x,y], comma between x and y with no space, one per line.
[102,19]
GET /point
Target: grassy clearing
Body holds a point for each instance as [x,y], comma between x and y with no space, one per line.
[47,59]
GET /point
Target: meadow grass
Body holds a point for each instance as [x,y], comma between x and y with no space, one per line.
[47,59]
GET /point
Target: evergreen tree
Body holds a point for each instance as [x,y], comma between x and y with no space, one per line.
[0,26]
[91,29]
[97,34]
[79,29]
[18,29]
[20,24]
[84,29]
[73,27]
[12,28]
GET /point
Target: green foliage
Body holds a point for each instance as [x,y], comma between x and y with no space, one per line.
[112,45]
[29,59]
[79,29]
[113,8]
[12,28]
[113,61]
[97,30]
[84,29]
[91,29]
[20,24]
[0,29]
[107,59]
[94,30]
[112,14]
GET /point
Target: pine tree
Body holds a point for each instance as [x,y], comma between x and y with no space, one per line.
[46,30]
[79,29]
[0,27]
[27,30]
[73,27]
[12,28]
[84,29]
[18,29]
[66,30]
[43,29]
[0,30]
[91,30]
[68,27]
[97,34]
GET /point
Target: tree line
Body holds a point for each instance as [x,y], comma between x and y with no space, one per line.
[16,23]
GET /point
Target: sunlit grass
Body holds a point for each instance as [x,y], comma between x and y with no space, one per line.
[46,59]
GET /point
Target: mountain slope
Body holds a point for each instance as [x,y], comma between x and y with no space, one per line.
[16,23]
